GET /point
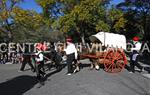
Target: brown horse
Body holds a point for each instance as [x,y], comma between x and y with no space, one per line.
[90,54]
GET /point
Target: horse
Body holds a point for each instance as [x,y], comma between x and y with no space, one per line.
[53,58]
[90,54]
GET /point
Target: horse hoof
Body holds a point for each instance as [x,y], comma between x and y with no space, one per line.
[97,67]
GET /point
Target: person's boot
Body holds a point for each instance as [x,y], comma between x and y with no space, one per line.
[76,69]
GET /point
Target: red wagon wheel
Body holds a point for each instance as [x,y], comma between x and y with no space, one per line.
[114,61]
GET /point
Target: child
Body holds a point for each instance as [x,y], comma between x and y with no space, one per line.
[39,62]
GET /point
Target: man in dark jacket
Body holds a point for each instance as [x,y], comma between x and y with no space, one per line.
[26,60]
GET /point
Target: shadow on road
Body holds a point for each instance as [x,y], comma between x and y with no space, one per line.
[53,72]
[145,60]
[137,88]
[18,85]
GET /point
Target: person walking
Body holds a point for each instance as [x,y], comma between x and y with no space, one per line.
[134,62]
[71,53]
[134,57]
[1,60]
[26,60]
[39,58]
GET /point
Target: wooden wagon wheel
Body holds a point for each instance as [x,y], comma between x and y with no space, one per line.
[114,60]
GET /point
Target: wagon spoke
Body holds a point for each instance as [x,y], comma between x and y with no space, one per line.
[108,67]
[120,57]
[115,67]
[107,64]
[109,56]
[116,55]
[112,69]
[118,66]
[121,65]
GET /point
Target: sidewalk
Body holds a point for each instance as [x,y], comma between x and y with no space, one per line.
[145,62]
[146,75]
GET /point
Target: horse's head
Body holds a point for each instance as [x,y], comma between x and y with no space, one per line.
[60,48]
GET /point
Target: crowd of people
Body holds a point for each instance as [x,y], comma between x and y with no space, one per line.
[13,58]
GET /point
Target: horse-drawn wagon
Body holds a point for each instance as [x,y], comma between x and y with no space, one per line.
[112,56]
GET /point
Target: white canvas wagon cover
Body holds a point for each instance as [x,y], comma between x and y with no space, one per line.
[110,39]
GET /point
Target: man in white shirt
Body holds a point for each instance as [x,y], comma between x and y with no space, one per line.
[71,53]
[135,55]
[137,45]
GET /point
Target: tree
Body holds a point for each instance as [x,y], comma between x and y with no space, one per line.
[21,25]
[27,18]
[82,17]
[6,7]
[140,10]
[90,16]
[30,25]
[116,20]
[51,10]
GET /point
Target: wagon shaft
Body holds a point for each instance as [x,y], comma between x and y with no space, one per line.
[97,55]
[88,56]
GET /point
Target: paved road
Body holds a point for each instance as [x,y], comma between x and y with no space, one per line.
[85,82]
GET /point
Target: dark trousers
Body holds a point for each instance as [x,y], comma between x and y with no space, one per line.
[5,56]
[39,70]
[70,59]
[26,61]
[133,64]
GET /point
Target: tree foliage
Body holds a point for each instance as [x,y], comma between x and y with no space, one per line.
[6,7]
[87,17]
[22,25]
[71,17]
[116,19]
[137,12]
[27,18]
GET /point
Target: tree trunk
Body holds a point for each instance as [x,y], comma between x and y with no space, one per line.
[83,39]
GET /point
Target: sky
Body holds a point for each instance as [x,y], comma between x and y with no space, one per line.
[32,5]
[116,1]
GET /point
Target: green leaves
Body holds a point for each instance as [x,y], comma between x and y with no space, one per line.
[102,26]
[45,3]
[66,22]
[137,13]
[27,18]
[120,24]
[116,18]
[84,16]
